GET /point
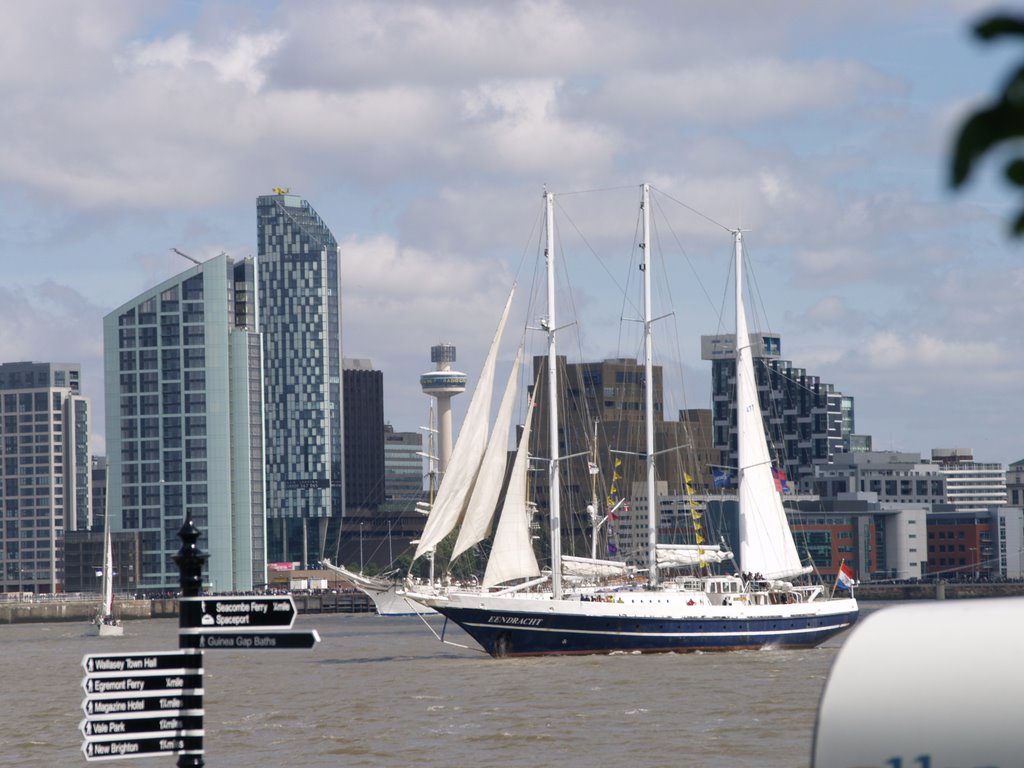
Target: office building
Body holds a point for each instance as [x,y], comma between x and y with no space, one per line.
[403,467]
[184,424]
[603,428]
[44,472]
[99,492]
[83,561]
[364,435]
[805,418]
[979,545]
[891,477]
[300,317]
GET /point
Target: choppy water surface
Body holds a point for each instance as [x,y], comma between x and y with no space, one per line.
[384,692]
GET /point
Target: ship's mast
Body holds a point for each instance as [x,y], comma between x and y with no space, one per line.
[652,499]
[554,481]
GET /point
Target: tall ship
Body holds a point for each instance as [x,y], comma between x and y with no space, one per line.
[520,611]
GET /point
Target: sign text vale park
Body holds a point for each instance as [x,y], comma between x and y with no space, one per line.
[139,704]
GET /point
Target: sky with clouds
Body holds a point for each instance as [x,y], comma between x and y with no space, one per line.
[424,133]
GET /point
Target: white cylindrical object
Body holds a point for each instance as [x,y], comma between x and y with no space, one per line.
[927,685]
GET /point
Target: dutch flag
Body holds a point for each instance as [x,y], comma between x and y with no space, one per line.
[845,580]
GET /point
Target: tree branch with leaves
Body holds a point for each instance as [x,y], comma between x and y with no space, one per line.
[997,125]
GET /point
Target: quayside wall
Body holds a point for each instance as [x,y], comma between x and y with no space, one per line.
[942,590]
[56,609]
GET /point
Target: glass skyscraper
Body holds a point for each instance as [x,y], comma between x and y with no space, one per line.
[300,317]
[184,423]
[44,472]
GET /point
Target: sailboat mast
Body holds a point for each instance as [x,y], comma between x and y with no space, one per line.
[554,479]
[594,513]
[652,498]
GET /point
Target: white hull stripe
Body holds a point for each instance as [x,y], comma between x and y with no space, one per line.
[738,633]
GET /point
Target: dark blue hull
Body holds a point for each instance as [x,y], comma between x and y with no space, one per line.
[538,634]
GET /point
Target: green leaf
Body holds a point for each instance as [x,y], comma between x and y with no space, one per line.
[1015,172]
[1018,225]
[999,26]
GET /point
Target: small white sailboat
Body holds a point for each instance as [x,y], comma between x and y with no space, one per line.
[106,623]
[699,612]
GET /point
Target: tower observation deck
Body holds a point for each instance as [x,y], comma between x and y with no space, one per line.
[442,384]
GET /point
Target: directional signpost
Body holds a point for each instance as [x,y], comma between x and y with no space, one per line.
[142,704]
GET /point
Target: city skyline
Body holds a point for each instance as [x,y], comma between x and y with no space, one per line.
[824,130]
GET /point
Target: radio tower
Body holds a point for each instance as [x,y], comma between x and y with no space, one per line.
[442,384]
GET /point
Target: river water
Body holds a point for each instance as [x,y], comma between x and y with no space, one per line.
[384,692]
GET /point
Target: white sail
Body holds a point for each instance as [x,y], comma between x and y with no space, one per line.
[766,542]
[512,555]
[476,523]
[591,568]
[678,555]
[106,624]
[108,573]
[461,473]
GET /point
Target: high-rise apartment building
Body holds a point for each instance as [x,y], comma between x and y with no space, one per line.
[44,472]
[184,424]
[300,317]
[805,418]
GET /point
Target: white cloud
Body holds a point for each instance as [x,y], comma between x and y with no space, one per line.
[890,350]
[53,323]
[742,91]
[424,132]
[239,59]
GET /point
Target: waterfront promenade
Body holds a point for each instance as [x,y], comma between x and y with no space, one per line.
[53,608]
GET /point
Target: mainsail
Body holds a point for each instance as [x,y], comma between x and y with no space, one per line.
[766,543]
[460,475]
[512,555]
[107,609]
[476,523]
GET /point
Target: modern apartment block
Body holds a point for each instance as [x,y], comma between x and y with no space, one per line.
[184,424]
[971,486]
[300,317]
[804,417]
[44,471]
